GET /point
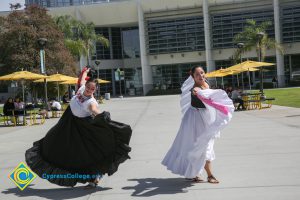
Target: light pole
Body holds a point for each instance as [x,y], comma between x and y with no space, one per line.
[42,43]
[260,36]
[97,62]
[240,47]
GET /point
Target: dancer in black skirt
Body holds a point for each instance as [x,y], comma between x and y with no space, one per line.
[83,145]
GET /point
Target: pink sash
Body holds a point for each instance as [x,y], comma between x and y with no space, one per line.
[217,106]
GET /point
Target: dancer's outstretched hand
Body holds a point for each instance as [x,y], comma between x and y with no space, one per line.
[195,90]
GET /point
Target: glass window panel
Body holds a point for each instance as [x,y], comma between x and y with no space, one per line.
[291,23]
[226,26]
[131,42]
[174,34]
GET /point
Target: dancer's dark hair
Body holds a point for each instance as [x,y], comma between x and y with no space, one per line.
[91,79]
[192,71]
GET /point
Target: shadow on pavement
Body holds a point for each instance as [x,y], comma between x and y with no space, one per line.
[54,193]
[155,186]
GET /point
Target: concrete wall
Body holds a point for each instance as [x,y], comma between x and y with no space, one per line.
[184,57]
[106,14]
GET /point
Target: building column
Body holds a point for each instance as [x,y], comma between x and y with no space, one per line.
[113,82]
[290,66]
[146,68]
[278,38]
[210,63]
[110,46]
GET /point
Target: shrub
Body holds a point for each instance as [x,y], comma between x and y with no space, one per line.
[265,85]
[294,83]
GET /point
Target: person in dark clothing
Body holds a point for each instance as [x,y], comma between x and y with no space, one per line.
[9,107]
[237,98]
[274,81]
[84,143]
[65,98]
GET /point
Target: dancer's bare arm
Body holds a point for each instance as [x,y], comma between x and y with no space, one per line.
[94,109]
[84,75]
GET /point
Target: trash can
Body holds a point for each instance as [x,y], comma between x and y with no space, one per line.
[107,96]
[131,92]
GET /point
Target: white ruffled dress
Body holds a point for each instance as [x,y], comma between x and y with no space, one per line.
[199,127]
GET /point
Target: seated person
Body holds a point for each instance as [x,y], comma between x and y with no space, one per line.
[44,112]
[229,91]
[236,98]
[55,105]
[19,106]
[9,107]
[44,109]
[65,98]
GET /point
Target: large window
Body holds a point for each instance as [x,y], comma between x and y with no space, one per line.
[175,35]
[292,67]
[133,80]
[291,24]
[3,89]
[131,42]
[106,74]
[223,64]
[226,26]
[295,62]
[62,3]
[124,43]
[116,43]
[101,51]
[172,76]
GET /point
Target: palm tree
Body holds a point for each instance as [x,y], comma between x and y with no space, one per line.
[80,38]
[250,39]
[255,36]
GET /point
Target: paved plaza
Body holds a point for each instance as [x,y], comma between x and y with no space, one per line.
[257,156]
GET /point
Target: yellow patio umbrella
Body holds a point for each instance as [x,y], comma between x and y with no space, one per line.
[26,75]
[211,74]
[22,75]
[70,82]
[102,81]
[75,80]
[219,73]
[246,66]
[56,78]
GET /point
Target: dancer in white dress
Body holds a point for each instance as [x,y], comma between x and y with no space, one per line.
[205,113]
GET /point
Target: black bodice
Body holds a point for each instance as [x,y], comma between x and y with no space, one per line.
[196,102]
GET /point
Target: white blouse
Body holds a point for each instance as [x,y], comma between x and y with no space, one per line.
[80,104]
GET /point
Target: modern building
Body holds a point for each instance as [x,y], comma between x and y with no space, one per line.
[156,42]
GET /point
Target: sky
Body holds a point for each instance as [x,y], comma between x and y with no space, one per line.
[4,4]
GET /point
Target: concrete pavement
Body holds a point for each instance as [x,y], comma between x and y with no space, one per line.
[257,156]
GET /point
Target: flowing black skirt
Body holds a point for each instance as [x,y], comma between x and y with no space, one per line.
[77,149]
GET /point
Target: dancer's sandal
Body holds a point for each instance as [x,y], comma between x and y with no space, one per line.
[197,179]
[212,179]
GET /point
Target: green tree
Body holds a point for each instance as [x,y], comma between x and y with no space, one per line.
[255,36]
[80,38]
[249,37]
[19,32]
